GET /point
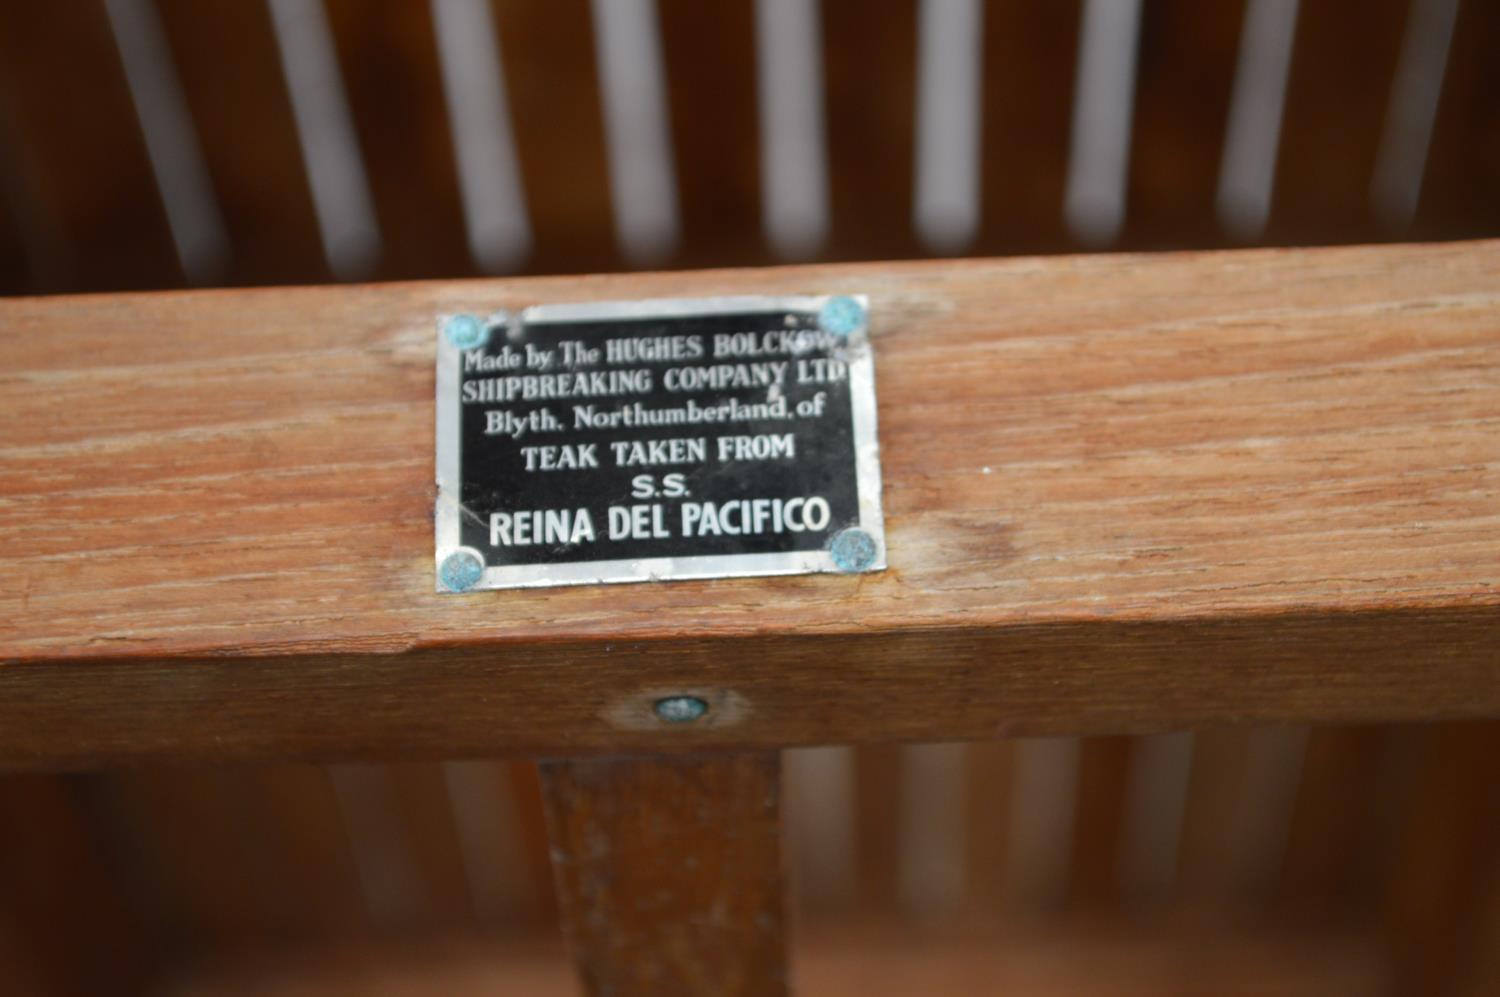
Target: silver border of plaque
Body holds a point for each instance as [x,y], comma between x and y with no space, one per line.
[866,453]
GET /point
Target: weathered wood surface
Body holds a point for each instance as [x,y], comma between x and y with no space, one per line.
[1123,493]
[669,873]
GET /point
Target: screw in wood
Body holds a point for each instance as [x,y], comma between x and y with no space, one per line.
[853,550]
[841,316]
[680,709]
[461,571]
[465,332]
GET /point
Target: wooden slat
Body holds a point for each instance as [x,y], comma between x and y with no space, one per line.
[491,842]
[297,821]
[669,873]
[1216,787]
[422,801]
[1331,834]
[388,55]
[932,883]
[1156,796]
[525,783]
[79,129]
[1184,74]
[824,852]
[1458,199]
[405,845]
[1335,110]
[226,56]
[1123,494]
[1239,808]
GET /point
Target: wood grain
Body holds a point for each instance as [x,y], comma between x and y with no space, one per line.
[1123,494]
[669,873]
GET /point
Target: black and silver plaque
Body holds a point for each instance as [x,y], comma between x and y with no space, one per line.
[644,440]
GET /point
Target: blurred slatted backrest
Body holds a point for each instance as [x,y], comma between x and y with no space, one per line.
[162,870]
[153,143]
[158,143]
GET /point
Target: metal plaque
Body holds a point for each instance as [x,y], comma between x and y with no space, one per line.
[645,440]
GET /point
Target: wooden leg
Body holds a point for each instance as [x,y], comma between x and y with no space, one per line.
[669,872]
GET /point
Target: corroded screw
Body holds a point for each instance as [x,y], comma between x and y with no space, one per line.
[841,316]
[853,550]
[465,332]
[461,571]
[680,709]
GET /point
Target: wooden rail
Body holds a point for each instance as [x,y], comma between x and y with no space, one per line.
[1123,493]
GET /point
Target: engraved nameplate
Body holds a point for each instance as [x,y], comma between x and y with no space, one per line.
[655,440]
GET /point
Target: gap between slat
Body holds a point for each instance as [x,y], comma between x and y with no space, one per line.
[325,130]
[171,141]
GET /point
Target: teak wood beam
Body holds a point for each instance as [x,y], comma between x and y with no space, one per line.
[669,873]
[1122,493]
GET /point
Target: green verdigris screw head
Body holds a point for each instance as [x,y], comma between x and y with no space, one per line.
[842,316]
[465,332]
[461,571]
[853,550]
[680,709]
